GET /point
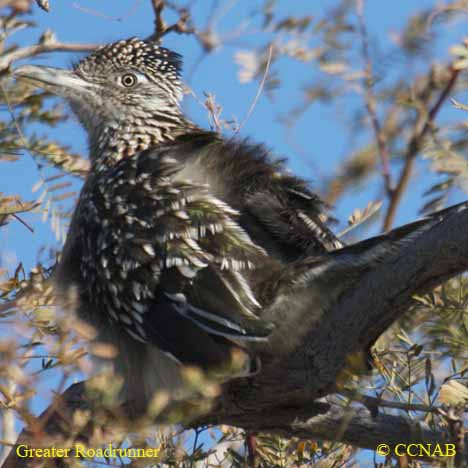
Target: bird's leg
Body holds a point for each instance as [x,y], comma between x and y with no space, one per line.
[251,443]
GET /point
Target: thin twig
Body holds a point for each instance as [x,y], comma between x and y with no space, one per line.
[24,223]
[133,9]
[43,4]
[37,49]
[8,427]
[374,402]
[259,91]
[413,149]
[371,103]
[195,445]
[22,138]
[181,26]
[159,24]
[8,306]
[251,442]
[443,9]
[214,112]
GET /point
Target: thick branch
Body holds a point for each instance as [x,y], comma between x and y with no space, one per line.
[351,425]
[357,426]
[361,315]
[283,397]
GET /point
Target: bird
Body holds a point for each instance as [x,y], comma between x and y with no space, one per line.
[186,247]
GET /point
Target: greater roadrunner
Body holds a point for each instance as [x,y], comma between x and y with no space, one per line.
[186,246]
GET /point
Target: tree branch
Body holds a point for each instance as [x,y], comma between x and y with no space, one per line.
[371,102]
[358,427]
[161,28]
[43,4]
[284,397]
[352,425]
[56,421]
[47,45]
[413,149]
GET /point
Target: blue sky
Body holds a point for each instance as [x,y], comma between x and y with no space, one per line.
[322,131]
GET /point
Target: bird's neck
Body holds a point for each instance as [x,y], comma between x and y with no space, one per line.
[114,140]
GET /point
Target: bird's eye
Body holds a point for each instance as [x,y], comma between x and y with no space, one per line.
[129,80]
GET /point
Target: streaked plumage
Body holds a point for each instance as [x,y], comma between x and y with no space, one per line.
[186,245]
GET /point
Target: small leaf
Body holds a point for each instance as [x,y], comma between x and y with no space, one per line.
[358,217]
[459,50]
[460,64]
[441,187]
[453,393]
[334,68]
[433,205]
[37,186]
[459,105]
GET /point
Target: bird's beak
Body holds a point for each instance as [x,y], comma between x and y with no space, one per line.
[62,82]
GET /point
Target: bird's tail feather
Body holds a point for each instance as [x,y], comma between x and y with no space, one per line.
[307,289]
[376,248]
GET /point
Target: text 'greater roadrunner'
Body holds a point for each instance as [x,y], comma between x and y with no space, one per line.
[186,246]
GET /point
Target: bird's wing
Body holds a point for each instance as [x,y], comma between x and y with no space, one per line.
[175,260]
[294,216]
[278,209]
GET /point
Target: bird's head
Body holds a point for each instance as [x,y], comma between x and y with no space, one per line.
[130,87]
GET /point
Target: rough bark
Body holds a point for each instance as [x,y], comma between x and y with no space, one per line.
[359,317]
[283,398]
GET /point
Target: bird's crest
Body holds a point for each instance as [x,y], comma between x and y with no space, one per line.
[146,56]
